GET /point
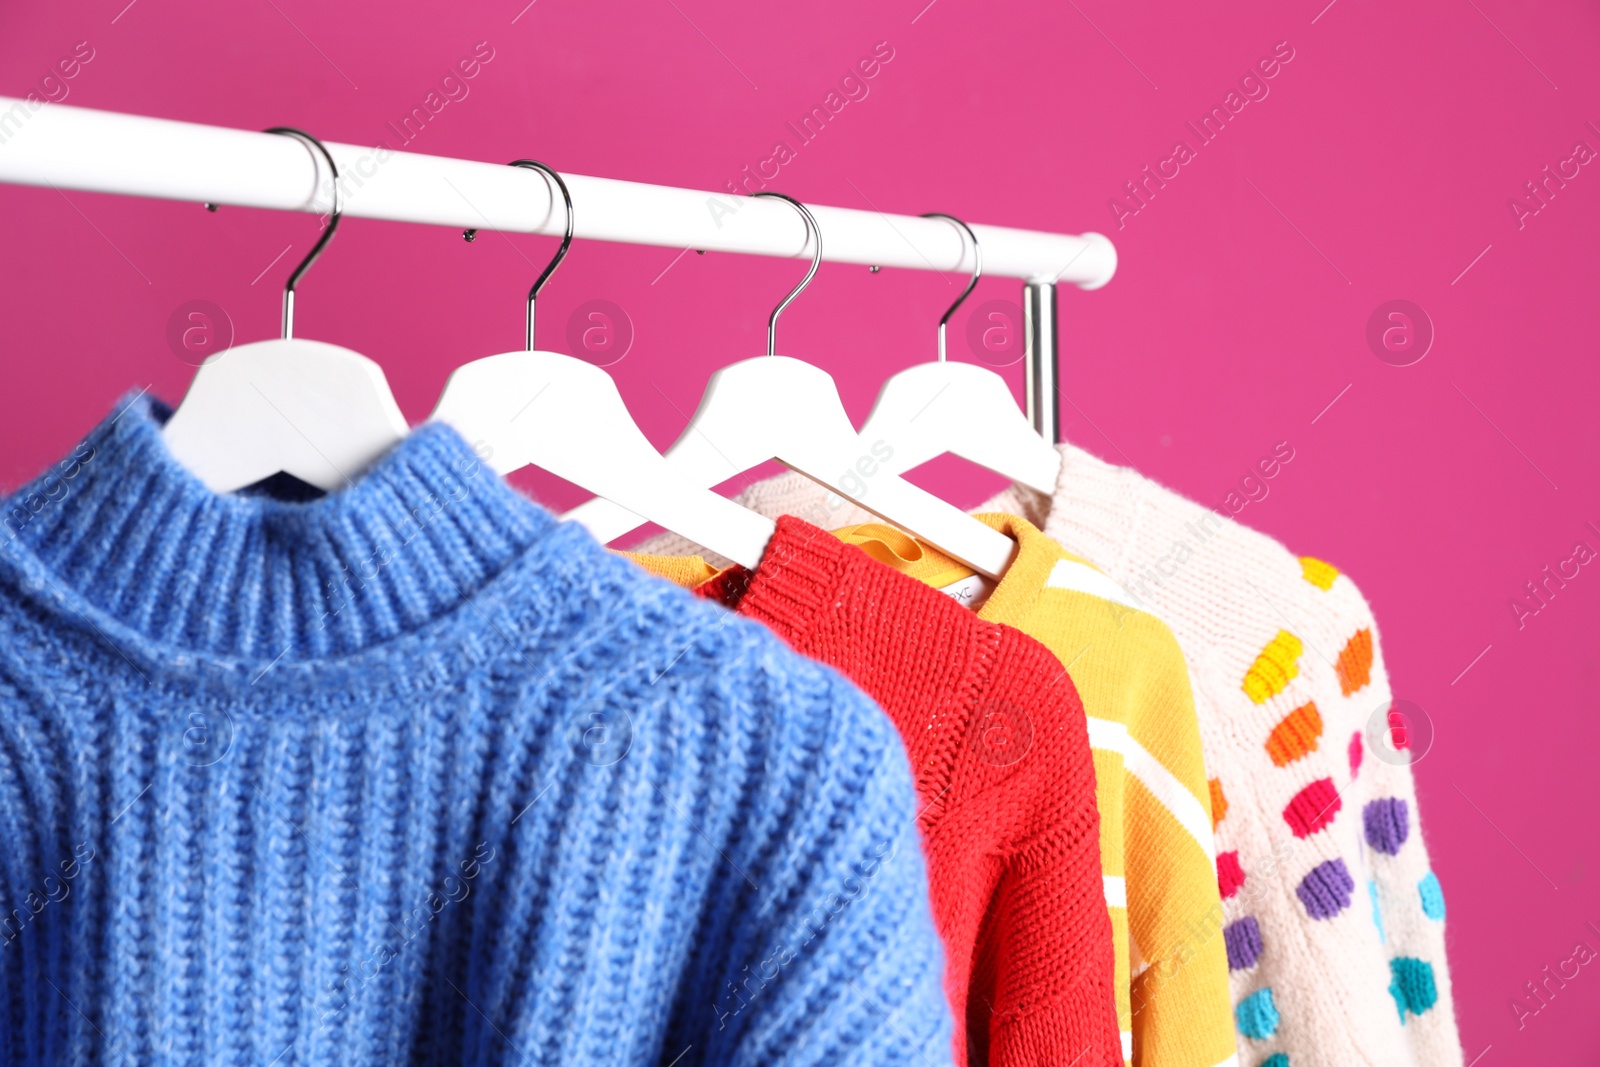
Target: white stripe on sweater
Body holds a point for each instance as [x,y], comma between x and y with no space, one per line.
[1116,890]
[1162,783]
[1137,964]
[1082,578]
[1107,735]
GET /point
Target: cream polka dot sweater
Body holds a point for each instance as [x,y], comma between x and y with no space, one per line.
[1334,921]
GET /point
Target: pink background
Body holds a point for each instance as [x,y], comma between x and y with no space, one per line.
[1379,167]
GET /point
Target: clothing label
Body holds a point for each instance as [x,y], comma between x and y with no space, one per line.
[970,592]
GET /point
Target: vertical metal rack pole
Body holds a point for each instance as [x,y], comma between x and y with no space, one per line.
[1043,359]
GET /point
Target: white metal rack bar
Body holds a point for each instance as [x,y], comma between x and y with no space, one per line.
[108,152]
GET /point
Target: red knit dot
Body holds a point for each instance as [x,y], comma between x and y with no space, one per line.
[1355,753]
[1313,808]
[1230,876]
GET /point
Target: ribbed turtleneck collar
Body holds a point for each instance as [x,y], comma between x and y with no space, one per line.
[121,524]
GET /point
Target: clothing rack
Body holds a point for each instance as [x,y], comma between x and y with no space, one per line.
[107,152]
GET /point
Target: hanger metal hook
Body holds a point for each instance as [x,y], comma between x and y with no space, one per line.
[813,232]
[327,233]
[972,283]
[561,253]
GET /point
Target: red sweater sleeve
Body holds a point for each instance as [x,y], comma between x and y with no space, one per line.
[1052,963]
[997,737]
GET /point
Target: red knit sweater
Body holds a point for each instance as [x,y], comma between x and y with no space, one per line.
[997,739]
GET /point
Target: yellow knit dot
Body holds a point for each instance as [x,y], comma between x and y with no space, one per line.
[1273,669]
[1318,573]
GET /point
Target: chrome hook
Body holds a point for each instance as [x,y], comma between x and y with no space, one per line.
[813,231]
[972,283]
[327,233]
[561,253]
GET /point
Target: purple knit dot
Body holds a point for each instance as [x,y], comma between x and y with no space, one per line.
[1388,824]
[1326,890]
[1243,940]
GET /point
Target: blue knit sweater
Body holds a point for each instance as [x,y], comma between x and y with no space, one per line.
[414,773]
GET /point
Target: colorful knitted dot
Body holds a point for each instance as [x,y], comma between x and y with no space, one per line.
[1256,1016]
[1277,1059]
[1432,896]
[1355,662]
[1295,735]
[1318,573]
[1242,938]
[1230,876]
[1219,802]
[1356,749]
[1274,668]
[1377,914]
[1326,890]
[1313,808]
[1387,824]
[1412,985]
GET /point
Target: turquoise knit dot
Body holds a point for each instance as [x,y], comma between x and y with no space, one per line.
[1277,1059]
[1412,985]
[1432,896]
[1256,1016]
[1377,913]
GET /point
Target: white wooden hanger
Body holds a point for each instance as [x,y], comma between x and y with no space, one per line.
[317,411]
[565,416]
[775,407]
[966,410]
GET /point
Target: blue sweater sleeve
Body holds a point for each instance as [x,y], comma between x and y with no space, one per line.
[835,959]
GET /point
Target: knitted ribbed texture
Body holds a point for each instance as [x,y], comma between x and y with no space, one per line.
[1335,934]
[997,741]
[414,774]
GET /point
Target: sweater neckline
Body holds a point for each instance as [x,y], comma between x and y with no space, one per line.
[808,576]
[1018,591]
[121,526]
